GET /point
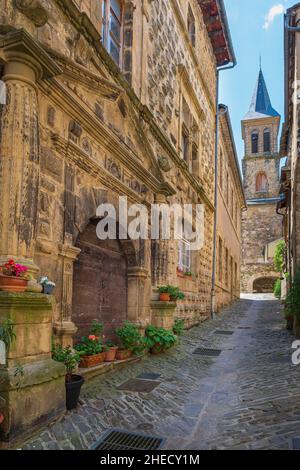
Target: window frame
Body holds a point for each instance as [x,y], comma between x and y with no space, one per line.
[255,150]
[107,35]
[260,188]
[182,245]
[267,132]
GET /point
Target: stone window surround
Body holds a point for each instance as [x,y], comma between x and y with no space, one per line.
[106,7]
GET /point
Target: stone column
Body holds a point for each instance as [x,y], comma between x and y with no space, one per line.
[25,63]
[139,292]
[64,327]
[160,253]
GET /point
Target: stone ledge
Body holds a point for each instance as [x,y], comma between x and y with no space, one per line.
[106,367]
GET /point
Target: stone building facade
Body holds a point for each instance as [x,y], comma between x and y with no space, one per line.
[107,99]
[289,204]
[261,225]
[231,203]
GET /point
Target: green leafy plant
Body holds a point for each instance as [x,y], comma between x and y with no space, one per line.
[96,328]
[279,256]
[292,301]
[159,339]
[178,326]
[68,357]
[174,292]
[110,344]
[89,346]
[277,289]
[7,333]
[130,338]
[188,273]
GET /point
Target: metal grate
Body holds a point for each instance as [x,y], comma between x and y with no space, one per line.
[224,332]
[207,352]
[295,444]
[244,327]
[148,376]
[138,385]
[116,439]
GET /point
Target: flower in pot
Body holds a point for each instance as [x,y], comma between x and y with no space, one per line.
[164,293]
[110,351]
[131,341]
[188,274]
[70,359]
[13,277]
[48,285]
[159,339]
[91,351]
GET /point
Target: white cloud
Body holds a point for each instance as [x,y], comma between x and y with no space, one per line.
[274,11]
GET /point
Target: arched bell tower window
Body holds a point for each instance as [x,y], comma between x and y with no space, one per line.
[254,141]
[261,183]
[267,140]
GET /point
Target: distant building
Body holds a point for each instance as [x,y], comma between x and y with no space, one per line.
[261,225]
[231,202]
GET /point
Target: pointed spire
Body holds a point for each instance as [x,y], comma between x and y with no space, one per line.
[261,106]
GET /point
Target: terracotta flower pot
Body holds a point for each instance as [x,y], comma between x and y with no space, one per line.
[164,297]
[110,355]
[12,283]
[123,354]
[92,361]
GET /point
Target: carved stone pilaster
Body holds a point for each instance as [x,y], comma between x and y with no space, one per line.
[64,328]
[139,291]
[159,251]
[25,63]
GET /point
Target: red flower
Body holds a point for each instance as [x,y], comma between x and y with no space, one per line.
[92,337]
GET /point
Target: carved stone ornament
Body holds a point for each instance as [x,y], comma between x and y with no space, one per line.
[164,163]
[35,10]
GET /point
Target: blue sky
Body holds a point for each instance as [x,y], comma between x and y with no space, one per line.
[252,35]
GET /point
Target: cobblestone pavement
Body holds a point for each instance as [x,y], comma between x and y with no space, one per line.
[247,398]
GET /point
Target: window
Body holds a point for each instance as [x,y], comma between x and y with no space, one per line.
[262,183]
[112,17]
[185,144]
[184,256]
[220,259]
[191,27]
[254,139]
[267,140]
[195,159]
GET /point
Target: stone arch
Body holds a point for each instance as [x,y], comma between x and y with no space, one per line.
[261,182]
[119,280]
[268,276]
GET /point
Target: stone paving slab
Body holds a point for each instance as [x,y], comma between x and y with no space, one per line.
[247,398]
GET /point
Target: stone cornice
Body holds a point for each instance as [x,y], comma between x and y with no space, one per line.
[76,155]
[79,74]
[18,45]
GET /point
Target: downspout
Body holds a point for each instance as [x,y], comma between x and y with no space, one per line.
[214,267]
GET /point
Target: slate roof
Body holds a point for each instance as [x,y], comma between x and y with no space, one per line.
[261,106]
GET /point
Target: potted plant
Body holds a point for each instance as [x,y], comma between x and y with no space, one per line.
[131,341]
[164,293]
[178,326]
[159,339]
[90,350]
[188,274]
[70,359]
[48,285]
[110,351]
[12,277]
[176,294]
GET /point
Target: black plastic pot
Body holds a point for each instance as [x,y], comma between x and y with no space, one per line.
[73,391]
[48,289]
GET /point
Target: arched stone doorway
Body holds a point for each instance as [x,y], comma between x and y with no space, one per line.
[100,283]
[264,285]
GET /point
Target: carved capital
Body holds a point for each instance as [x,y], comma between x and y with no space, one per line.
[35,10]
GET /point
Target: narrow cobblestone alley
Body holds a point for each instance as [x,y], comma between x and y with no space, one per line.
[247,398]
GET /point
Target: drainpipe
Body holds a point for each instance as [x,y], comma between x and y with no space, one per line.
[213,288]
